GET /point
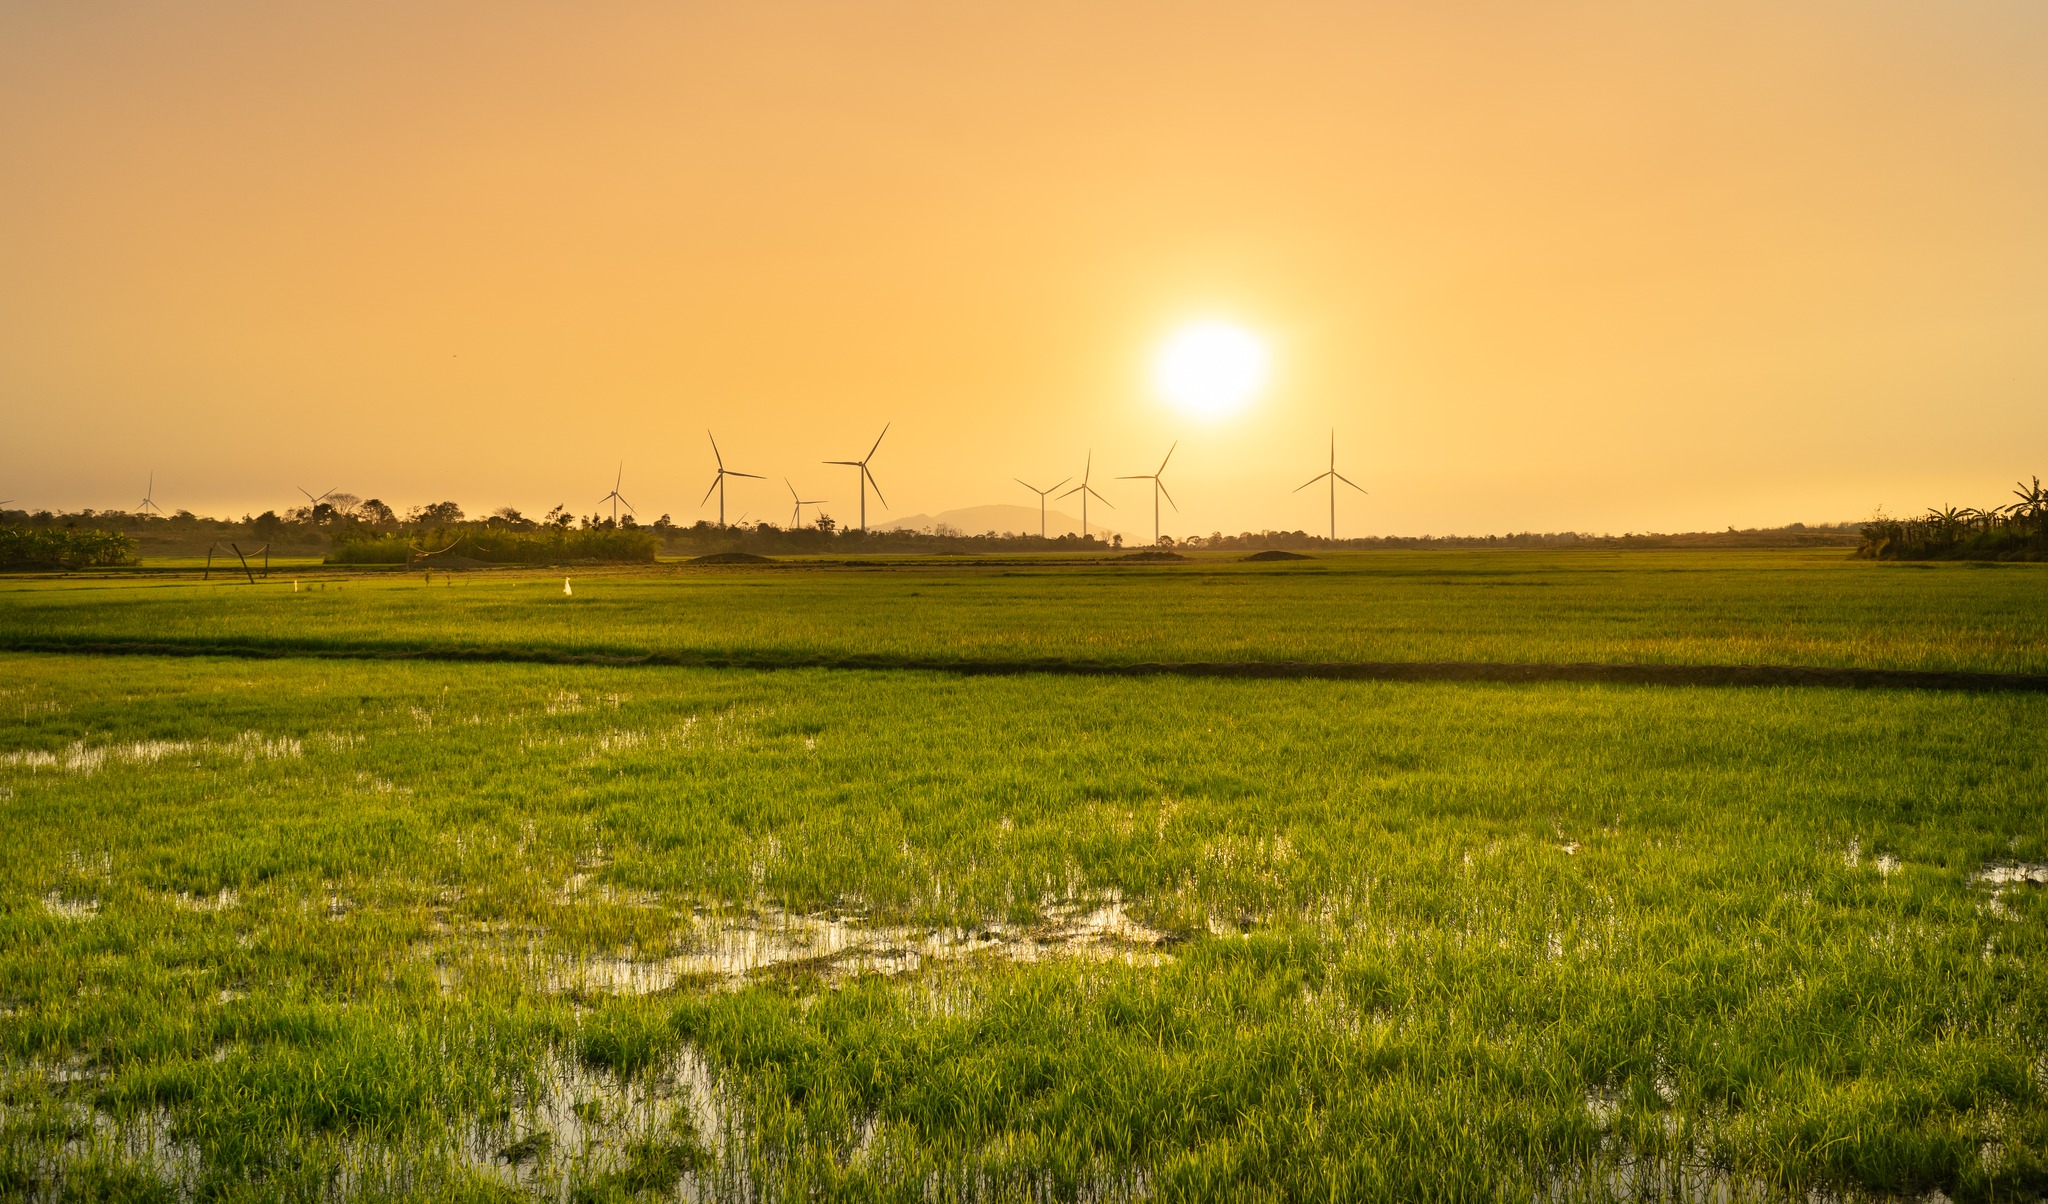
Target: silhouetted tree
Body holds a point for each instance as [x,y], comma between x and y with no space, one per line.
[440,513]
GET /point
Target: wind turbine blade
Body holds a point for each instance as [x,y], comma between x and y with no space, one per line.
[1063,480]
[878,443]
[1169,497]
[628,505]
[1169,456]
[713,489]
[872,481]
[1071,492]
[755,476]
[1033,488]
[714,448]
[1348,481]
[1098,497]
[1141,476]
[620,480]
[848,463]
[792,490]
[1312,480]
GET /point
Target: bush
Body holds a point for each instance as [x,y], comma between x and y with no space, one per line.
[63,548]
[2015,532]
[495,546]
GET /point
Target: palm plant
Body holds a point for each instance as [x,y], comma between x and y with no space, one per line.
[2032,507]
[2017,530]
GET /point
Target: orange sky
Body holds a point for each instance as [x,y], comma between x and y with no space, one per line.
[1603,267]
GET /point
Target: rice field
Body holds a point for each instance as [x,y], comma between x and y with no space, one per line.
[1772,608]
[307,929]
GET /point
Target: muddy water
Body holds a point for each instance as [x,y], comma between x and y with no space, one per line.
[728,948]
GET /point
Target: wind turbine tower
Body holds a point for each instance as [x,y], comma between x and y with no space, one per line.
[1158,488]
[867,478]
[718,482]
[616,498]
[1087,491]
[1333,477]
[1041,499]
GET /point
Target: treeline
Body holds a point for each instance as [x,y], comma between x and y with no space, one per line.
[766,539]
[483,544]
[24,547]
[2016,531]
[368,532]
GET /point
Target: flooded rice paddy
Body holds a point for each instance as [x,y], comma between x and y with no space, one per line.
[393,931]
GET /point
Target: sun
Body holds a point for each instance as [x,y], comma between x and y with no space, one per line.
[1210,368]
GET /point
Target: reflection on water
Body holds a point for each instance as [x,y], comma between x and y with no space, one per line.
[729,948]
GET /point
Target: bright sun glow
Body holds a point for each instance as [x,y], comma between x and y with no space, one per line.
[1210,369]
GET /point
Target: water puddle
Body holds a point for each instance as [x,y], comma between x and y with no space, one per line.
[78,910]
[226,899]
[571,1126]
[1999,877]
[727,949]
[1656,1179]
[579,1124]
[2013,873]
[141,1141]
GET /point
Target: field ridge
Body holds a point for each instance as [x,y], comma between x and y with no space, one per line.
[1619,672]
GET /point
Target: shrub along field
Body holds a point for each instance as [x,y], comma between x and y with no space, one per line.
[1772,608]
[299,928]
[62,548]
[558,546]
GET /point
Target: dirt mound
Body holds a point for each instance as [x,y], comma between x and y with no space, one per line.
[731,558]
[1277,554]
[1152,555]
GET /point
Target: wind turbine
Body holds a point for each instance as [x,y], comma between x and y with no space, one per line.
[796,517]
[1158,487]
[718,481]
[616,498]
[311,501]
[1334,477]
[1041,499]
[867,478]
[149,505]
[1086,491]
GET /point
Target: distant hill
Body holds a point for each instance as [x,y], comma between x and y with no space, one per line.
[979,520]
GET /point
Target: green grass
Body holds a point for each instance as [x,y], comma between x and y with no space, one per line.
[1764,608]
[1419,941]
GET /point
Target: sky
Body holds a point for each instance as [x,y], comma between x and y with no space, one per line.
[1567,266]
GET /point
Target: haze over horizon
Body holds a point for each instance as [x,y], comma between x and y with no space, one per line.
[1595,267]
